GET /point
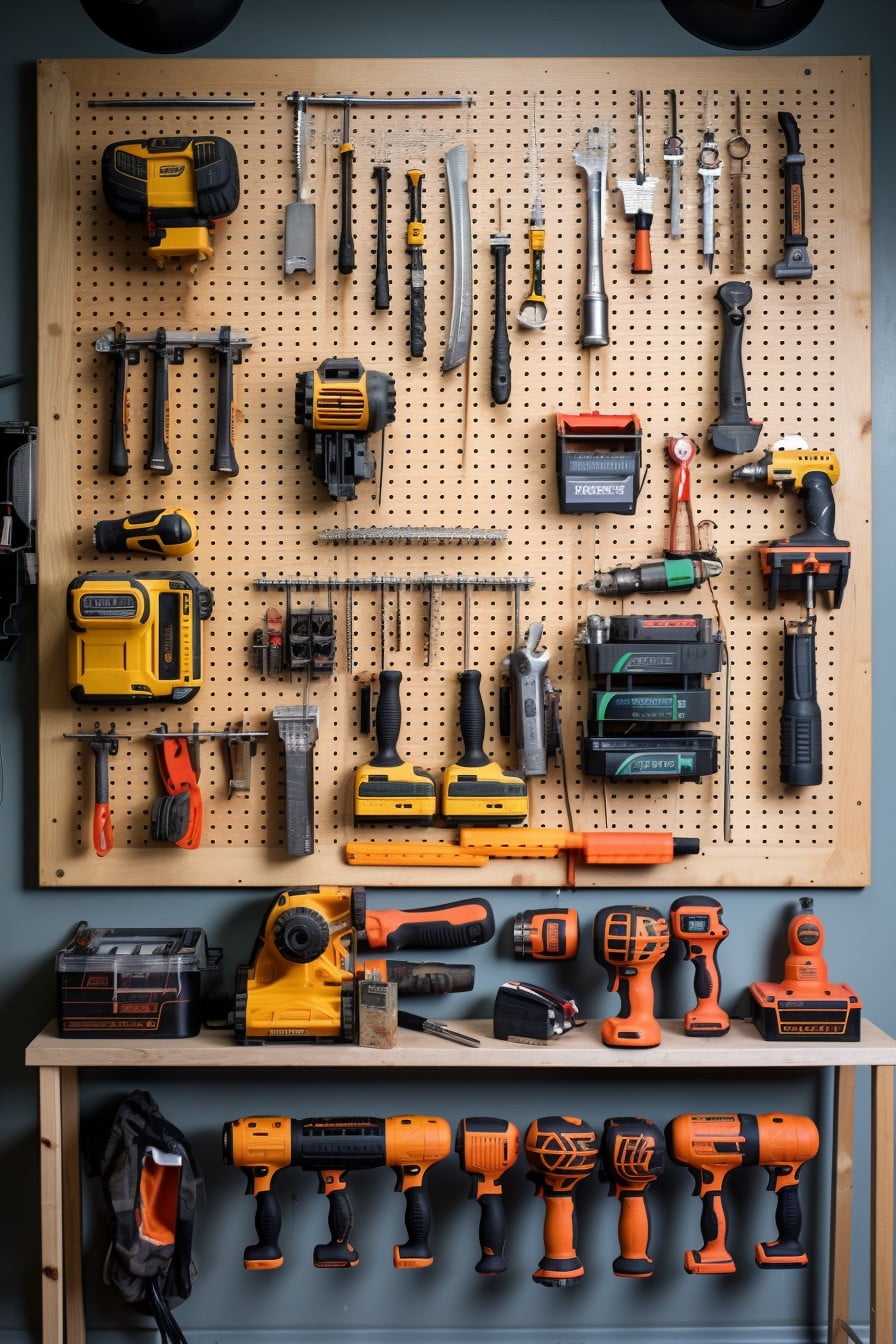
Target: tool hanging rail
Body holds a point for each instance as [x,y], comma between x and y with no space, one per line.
[597,227]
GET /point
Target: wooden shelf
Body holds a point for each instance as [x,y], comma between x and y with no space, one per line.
[581,1048]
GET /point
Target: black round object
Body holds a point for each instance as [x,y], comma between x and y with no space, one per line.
[162,26]
[301,935]
[743,23]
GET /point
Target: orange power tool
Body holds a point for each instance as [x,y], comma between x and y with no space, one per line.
[629,941]
[713,1145]
[697,922]
[263,1145]
[487,1149]
[562,1150]
[632,1157]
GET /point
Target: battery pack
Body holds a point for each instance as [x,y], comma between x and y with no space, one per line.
[835,1013]
[132,982]
[684,756]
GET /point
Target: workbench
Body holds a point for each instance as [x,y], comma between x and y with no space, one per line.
[58,1060]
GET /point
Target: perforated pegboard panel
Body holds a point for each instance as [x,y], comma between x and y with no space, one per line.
[452,458]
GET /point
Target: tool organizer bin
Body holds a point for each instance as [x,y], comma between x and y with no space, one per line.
[452,458]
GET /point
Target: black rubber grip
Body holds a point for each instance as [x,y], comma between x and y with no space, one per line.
[734,297]
[472,719]
[381,294]
[118,448]
[346,239]
[225,457]
[417,1221]
[267,1229]
[500,339]
[492,1235]
[337,1253]
[801,748]
[388,719]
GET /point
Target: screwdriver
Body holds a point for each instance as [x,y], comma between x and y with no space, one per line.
[415,240]
[155,532]
[346,262]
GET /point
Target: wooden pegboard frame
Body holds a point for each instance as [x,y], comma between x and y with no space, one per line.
[452,458]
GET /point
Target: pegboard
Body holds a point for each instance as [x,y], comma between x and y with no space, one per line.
[452,458]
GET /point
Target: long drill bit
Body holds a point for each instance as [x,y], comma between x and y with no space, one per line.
[709,166]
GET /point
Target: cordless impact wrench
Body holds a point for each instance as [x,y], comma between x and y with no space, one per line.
[487,1148]
[696,921]
[629,941]
[711,1146]
[632,1157]
[262,1146]
[562,1151]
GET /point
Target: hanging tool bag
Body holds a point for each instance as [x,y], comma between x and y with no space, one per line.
[151,1185]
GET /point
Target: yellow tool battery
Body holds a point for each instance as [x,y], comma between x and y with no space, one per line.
[176,186]
[135,640]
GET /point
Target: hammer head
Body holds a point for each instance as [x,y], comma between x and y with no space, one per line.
[741,438]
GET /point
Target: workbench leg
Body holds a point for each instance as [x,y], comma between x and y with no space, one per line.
[51,1241]
[841,1200]
[881,1204]
[73,1299]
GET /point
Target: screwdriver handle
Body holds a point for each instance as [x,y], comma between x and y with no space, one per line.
[159,458]
[643,262]
[381,280]
[500,245]
[387,724]
[801,748]
[472,719]
[118,444]
[102,748]
[346,167]
[225,456]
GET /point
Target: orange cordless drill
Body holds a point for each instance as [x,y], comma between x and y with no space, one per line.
[632,1157]
[409,1144]
[629,940]
[487,1148]
[711,1146]
[262,1146]
[697,922]
[562,1151]
[786,1142]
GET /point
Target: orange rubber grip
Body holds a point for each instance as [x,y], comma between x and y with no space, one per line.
[643,263]
[634,1237]
[455,924]
[102,829]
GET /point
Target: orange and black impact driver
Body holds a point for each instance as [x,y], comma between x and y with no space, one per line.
[713,1145]
[487,1148]
[629,941]
[562,1150]
[632,1157]
[696,921]
[410,1144]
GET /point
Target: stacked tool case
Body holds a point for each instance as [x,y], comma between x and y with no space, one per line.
[354,585]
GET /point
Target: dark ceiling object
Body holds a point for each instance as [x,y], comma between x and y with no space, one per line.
[743,23]
[162,26]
